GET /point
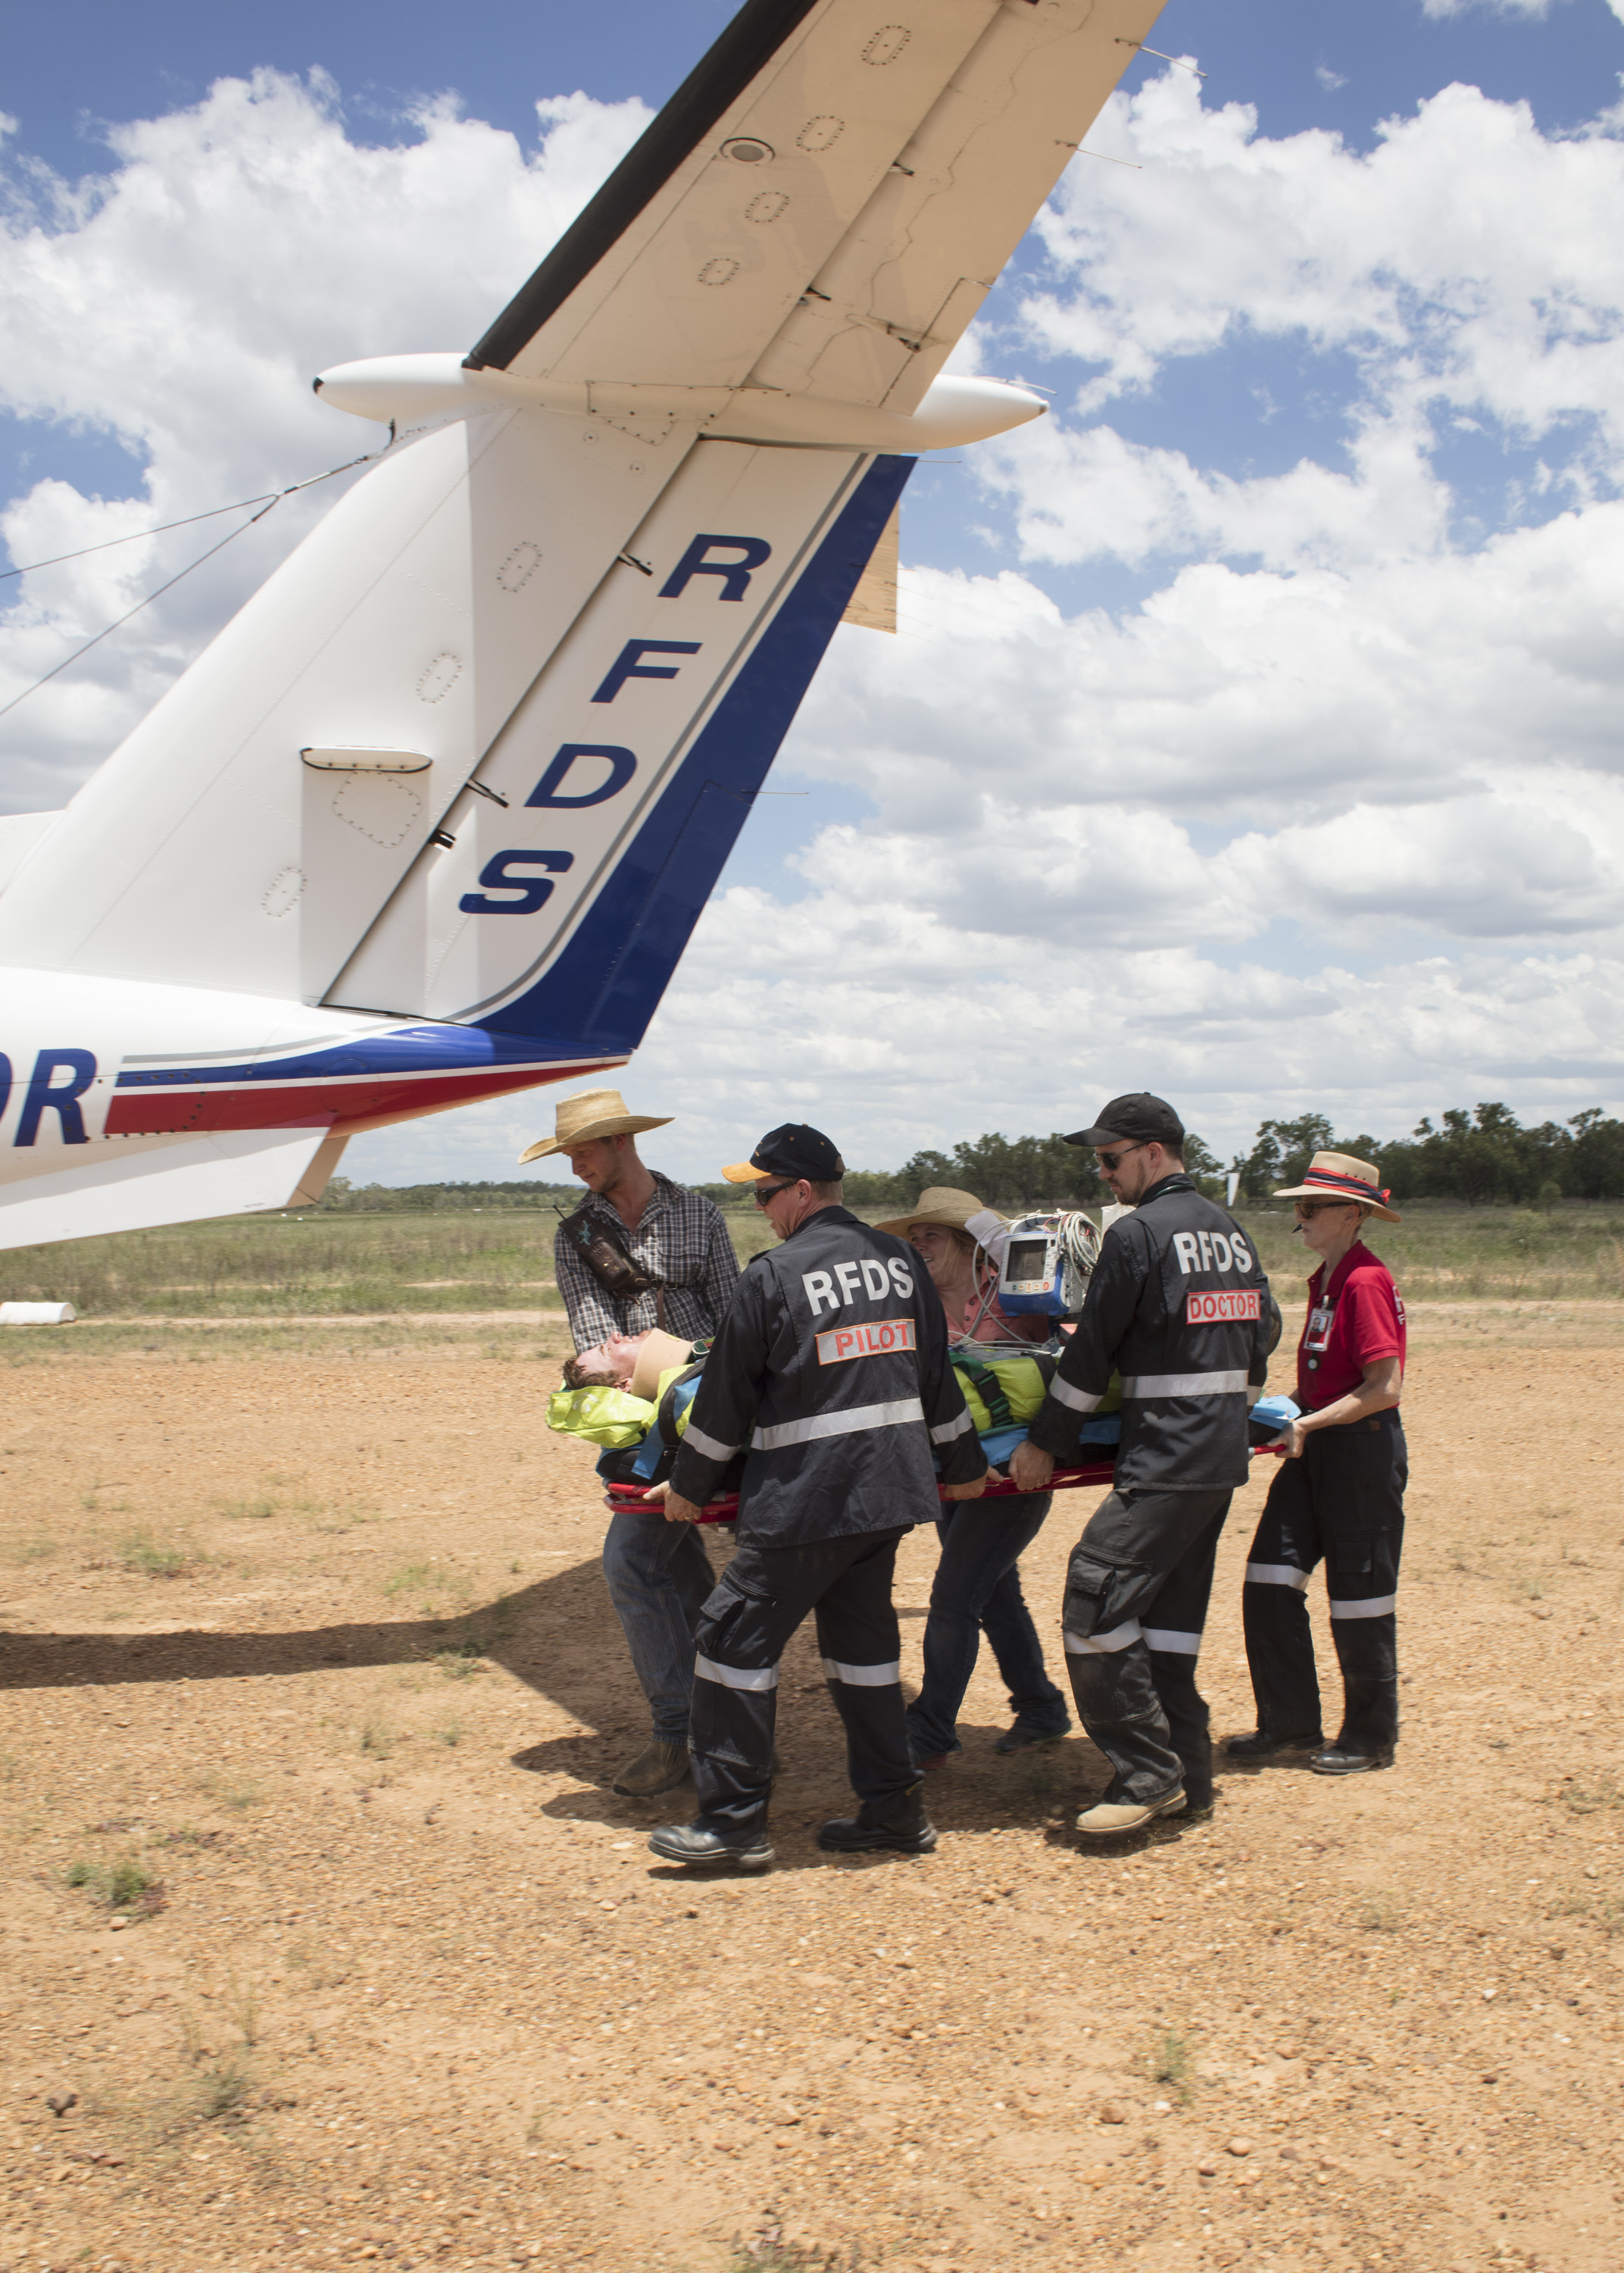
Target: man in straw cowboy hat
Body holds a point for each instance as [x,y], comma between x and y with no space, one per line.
[641,1253]
[1339,1493]
[1179,1305]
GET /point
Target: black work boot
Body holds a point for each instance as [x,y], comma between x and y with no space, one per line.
[1263,1743]
[1341,1758]
[905,1829]
[713,1850]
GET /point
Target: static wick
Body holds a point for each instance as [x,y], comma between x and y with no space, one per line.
[1178,62]
[1105,154]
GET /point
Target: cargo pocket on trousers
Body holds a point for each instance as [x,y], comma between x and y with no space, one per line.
[1087,1583]
[1353,1556]
[733,1626]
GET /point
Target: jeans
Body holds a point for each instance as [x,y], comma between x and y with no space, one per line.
[659,1577]
[977,1589]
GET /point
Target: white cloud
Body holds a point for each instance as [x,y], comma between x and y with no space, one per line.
[183,301]
[1467,260]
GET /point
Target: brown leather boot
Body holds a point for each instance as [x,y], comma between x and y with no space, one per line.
[658,1767]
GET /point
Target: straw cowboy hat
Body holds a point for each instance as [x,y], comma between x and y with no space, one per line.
[595,1113]
[1336,1176]
[957,1210]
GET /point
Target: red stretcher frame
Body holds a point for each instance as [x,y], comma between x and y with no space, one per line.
[624,1498]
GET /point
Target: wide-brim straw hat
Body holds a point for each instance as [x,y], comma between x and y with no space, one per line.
[955,1210]
[595,1113]
[1338,1177]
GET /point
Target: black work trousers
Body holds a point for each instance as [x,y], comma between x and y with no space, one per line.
[1343,1501]
[745,1627]
[1137,1593]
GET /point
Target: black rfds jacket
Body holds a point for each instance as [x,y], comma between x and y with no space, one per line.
[1179,1306]
[830,1371]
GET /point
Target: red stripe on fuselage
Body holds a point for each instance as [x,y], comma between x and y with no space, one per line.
[184,1110]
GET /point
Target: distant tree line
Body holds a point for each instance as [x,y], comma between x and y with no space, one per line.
[1479,1158]
[342,1197]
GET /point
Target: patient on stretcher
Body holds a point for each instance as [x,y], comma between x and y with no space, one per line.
[634,1362]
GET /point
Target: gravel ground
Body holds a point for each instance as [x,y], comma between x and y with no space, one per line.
[313,1644]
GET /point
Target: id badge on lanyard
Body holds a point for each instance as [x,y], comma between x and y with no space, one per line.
[1317,1339]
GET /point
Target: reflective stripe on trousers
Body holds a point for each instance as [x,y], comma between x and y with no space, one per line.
[862,1676]
[736,1676]
[1176,1645]
[1375,1606]
[1120,1637]
[1277,1574]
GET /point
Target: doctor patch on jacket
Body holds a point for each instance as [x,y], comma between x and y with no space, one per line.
[830,1372]
[1179,1305]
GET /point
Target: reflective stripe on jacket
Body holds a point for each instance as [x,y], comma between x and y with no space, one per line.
[1178,1304]
[830,1371]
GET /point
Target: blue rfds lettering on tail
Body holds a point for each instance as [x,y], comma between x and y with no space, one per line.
[529,892]
[46,1094]
[734,574]
[598,995]
[550,789]
[629,663]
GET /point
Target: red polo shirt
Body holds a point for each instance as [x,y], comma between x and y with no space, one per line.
[1351,1324]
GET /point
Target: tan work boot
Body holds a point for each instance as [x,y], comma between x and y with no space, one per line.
[657,1767]
[1112,1817]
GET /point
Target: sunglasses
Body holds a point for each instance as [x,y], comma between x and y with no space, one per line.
[1113,1160]
[1305,1209]
[766,1193]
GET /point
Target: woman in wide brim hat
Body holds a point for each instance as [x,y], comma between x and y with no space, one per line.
[1338,1177]
[583,1120]
[1339,1495]
[977,1584]
[961,1244]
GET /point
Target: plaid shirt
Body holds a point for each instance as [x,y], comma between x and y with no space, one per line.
[682,1239]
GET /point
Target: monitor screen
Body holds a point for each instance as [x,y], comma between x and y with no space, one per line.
[1026,1260]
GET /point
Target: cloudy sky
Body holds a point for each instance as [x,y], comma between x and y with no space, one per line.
[1255,728]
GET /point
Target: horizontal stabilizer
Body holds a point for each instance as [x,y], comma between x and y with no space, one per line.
[144,1181]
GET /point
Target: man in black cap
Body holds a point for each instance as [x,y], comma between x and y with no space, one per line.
[1179,1306]
[831,1371]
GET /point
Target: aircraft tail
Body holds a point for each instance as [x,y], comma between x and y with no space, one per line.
[597,995]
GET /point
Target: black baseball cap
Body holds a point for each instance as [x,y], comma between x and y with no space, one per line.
[793,1151]
[1140,1119]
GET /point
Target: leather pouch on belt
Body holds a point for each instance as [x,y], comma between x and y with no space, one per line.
[1087,1583]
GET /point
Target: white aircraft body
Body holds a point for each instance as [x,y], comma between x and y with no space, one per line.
[433,817]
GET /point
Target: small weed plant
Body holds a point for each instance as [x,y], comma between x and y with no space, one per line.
[124,1884]
[1172,2063]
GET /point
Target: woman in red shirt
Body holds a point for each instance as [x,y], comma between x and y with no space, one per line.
[1339,1493]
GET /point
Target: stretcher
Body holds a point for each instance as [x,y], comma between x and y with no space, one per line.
[625,1498]
[1269,1416]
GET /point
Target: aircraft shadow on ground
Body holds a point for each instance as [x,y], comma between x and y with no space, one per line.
[561,1638]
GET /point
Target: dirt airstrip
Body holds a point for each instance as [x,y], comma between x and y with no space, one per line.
[327,1937]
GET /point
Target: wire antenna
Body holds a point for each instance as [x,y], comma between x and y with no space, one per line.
[158,591]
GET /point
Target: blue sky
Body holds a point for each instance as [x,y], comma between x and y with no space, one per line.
[1255,715]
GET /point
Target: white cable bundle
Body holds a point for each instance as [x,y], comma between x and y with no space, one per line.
[1080,1243]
